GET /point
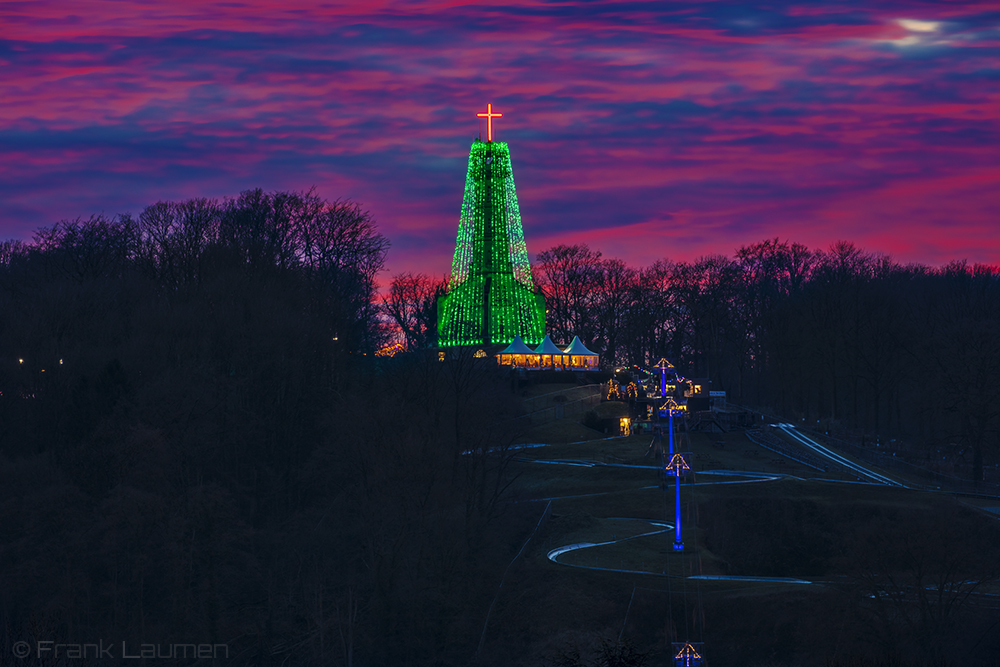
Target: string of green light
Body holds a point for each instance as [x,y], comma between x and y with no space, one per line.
[490,250]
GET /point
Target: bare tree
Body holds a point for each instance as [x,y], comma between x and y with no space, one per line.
[916,585]
[412,305]
[614,294]
[568,276]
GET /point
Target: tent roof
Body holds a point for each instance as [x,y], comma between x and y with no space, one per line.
[578,348]
[517,346]
[548,347]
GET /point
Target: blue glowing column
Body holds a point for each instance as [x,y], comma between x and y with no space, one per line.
[677,466]
[670,428]
[678,544]
[664,366]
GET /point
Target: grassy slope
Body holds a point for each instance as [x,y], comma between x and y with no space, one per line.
[791,528]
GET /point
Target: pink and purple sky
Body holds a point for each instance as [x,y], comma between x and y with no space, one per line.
[646,129]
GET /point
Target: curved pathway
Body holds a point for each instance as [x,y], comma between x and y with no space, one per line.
[744,478]
[554,555]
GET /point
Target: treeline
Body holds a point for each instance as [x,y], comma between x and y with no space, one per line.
[197,444]
[845,337]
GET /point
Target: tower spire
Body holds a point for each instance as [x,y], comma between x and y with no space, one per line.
[489,116]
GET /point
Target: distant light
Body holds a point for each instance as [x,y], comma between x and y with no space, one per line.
[43,370]
[915,25]
[335,338]
[20,361]
[60,362]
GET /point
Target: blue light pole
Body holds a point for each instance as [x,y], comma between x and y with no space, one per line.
[670,406]
[677,463]
[670,427]
[664,366]
[678,543]
[677,466]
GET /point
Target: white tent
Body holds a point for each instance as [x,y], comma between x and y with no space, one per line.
[518,355]
[551,356]
[580,356]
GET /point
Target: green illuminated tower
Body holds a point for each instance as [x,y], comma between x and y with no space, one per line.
[491,296]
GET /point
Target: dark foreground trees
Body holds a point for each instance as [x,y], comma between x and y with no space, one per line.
[197,446]
[918,589]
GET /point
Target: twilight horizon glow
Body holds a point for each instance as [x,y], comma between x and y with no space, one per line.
[645,129]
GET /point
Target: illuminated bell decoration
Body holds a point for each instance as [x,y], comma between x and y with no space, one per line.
[677,467]
[664,365]
[491,294]
[687,655]
[671,406]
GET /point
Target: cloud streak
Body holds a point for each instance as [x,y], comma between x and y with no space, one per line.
[646,129]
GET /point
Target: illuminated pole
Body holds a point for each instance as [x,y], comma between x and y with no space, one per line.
[664,366]
[677,465]
[670,405]
[670,427]
[678,544]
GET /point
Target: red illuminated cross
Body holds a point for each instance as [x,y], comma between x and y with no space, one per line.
[489,116]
